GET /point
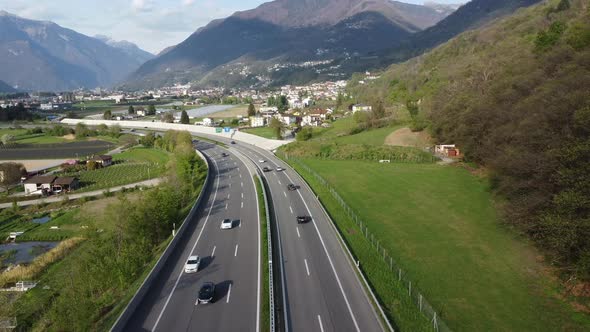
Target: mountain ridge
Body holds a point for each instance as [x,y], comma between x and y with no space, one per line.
[41,55]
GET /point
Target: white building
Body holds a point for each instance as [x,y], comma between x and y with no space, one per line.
[361,108]
[208,122]
[257,121]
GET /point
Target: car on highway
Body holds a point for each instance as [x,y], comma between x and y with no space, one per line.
[292,187]
[227,224]
[223,154]
[303,219]
[206,293]
[280,169]
[233,142]
[266,169]
[261,161]
[192,264]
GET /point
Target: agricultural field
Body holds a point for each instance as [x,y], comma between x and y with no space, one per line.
[440,225]
[132,166]
[78,149]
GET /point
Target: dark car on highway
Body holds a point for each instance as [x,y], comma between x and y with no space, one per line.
[292,187]
[266,169]
[224,154]
[303,219]
[206,293]
[233,142]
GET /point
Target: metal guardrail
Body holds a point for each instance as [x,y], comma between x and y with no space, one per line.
[270,266]
[139,295]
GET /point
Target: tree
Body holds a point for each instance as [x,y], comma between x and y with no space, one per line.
[184,119]
[107,115]
[131,110]
[10,173]
[251,110]
[304,134]
[168,117]
[91,165]
[82,130]
[339,100]
[277,126]
[7,139]
[148,140]
[151,110]
[114,131]
[378,110]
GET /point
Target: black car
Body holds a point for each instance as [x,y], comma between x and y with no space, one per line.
[292,187]
[303,219]
[233,142]
[224,154]
[266,169]
[206,293]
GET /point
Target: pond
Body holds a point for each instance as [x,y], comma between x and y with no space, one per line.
[42,220]
[24,252]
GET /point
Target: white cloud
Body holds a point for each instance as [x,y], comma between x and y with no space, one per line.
[141,5]
[188,2]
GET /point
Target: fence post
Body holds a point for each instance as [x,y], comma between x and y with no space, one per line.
[410,289]
[420,300]
[399,274]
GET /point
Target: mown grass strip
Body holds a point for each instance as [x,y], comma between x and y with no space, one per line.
[265,310]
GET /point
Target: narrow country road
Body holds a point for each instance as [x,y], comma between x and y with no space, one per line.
[53,199]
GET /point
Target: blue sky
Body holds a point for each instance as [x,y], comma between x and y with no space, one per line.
[151,24]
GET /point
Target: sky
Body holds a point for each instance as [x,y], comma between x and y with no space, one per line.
[151,24]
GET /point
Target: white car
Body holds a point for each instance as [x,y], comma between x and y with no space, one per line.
[192,264]
[261,161]
[280,169]
[227,224]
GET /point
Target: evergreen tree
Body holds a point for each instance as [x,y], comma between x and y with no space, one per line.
[184,119]
[131,110]
[251,110]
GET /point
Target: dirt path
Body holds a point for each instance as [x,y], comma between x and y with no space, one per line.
[405,137]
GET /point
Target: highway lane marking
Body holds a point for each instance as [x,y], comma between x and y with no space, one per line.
[228,294]
[226,206]
[236,251]
[242,205]
[306,267]
[284,193]
[230,185]
[228,196]
[242,195]
[240,175]
[242,183]
[192,250]
[329,259]
[298,235]
[280,182]
[213,252]
[320,321]
[290,208]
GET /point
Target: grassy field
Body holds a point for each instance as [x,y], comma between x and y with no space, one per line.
[440,225]
[264,293]
[232,112]
[265,132]
[143,155]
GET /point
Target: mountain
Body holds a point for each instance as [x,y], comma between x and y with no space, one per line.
[445,9]
[128,47]
[41,55]
[513,95]
[5,88]
[264,44]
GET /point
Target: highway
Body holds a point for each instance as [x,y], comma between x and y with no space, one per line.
[230,258]
[321,289]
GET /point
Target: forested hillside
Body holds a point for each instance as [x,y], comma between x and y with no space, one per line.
[515,96]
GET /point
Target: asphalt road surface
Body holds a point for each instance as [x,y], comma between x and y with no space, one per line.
[322,290]
[230,259]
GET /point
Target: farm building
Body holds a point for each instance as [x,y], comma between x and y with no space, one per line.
[36,184]
[104,160]
[65,184]
[447,150]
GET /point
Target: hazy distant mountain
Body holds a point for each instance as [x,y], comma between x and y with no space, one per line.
[5,88]
[41,55]
[443,8]
[246,46]
[128,47]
